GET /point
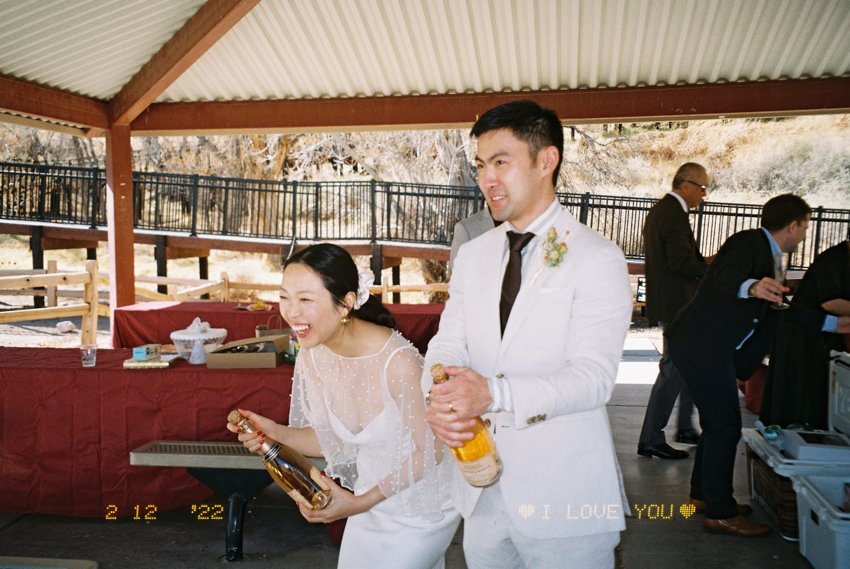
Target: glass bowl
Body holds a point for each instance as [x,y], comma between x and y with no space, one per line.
[184,340]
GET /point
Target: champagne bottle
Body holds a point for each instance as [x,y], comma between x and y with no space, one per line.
[478,459]
[292,472]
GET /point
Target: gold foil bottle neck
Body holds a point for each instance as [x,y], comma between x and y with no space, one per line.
[235,418]
[438,372]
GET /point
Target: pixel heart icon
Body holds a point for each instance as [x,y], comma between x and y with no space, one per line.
[526,510]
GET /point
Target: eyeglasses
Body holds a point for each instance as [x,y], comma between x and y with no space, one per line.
[700,186]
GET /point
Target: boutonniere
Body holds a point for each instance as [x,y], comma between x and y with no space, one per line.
[554,251]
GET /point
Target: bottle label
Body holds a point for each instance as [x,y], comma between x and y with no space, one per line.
[299,498]
[481,472]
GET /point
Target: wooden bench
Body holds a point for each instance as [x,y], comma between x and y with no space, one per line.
[228,468]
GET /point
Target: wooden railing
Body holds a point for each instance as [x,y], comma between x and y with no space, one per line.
[386,289]
[49,292]
[179,289]
[185,289]
[44,283]
[222,288]
[88,308]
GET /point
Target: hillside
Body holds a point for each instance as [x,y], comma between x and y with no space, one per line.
[750,160]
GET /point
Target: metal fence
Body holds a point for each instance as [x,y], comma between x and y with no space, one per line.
[346,211]
[62,194]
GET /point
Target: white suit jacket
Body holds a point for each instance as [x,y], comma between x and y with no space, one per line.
[560,352]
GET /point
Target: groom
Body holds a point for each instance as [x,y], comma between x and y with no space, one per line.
[540,367]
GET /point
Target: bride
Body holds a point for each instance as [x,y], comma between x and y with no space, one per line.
[357,401]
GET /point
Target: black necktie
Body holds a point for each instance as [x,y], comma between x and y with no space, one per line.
[513,274]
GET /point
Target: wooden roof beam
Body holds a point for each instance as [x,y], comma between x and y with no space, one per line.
[200,33]
[45,103]
[629,104]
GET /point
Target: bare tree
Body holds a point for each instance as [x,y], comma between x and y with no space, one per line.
[594,162]
[420,156]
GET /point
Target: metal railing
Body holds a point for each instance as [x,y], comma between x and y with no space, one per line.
[65,194]
[346,211]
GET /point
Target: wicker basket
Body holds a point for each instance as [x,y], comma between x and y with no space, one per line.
[775,493]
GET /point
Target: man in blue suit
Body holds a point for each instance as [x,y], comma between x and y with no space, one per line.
[723,334]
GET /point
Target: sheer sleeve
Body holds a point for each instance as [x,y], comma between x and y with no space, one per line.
[299,410]
[415,451]
[369,416]
[308,409]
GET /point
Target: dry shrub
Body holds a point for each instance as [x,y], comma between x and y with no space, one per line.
[435,272]
[750,160]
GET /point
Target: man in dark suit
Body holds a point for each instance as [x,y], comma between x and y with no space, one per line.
[674,266]
[469,228]
[723,333]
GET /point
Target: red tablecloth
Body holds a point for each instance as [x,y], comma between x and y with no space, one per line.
[66,431]
[153,322]
[417,322]
[753,390]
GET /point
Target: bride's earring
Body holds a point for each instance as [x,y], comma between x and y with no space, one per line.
[346,320]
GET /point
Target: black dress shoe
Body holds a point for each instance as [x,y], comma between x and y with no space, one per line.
[661,451]
[689,437]
[699,507]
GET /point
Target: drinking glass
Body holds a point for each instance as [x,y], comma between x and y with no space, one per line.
[779,274]
[88,353]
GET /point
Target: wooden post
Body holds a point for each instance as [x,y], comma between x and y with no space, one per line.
[385,295]
[377,262]
[161,254]
[37,248]
[225,287]
[89,324]
[51,290]
[396,271]
[119,215]
[204,272]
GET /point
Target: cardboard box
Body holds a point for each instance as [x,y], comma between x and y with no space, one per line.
[146,353]
[265,352]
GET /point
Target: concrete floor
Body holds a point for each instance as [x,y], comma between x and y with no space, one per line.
[276,536]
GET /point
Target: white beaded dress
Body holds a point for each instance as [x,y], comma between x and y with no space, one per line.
[369,416]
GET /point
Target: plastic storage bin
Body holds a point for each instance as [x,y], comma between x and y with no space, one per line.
[824,527]
[839,392]
[770,472]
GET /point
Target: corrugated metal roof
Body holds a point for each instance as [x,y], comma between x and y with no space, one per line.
[296,49]
[350,48]
[86,47]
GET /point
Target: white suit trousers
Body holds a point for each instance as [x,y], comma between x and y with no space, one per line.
[491,541]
